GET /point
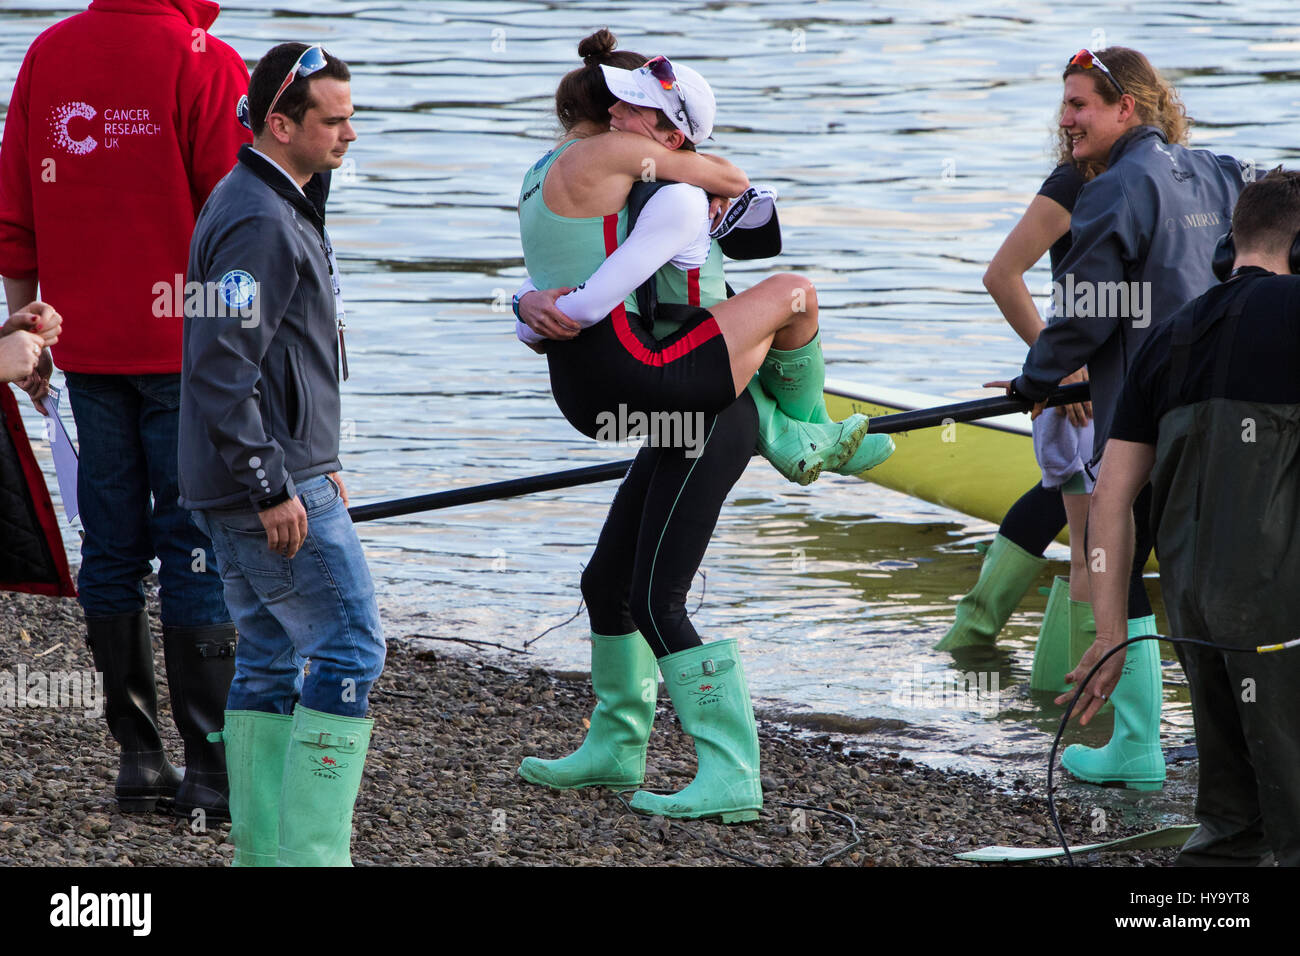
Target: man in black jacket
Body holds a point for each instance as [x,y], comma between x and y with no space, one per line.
[1210,414]
[259,462]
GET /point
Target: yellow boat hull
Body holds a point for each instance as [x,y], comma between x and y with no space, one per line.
[977,468]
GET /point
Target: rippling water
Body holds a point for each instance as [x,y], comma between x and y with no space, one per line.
[904,139]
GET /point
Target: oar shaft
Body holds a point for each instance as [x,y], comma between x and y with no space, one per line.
[901,422]
[971,411]
[497,489]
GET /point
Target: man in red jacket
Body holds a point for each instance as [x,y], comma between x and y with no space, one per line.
[122,120]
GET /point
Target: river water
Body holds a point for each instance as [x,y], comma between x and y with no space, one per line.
[904,140]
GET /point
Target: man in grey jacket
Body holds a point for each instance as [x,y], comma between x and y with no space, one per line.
[259,460]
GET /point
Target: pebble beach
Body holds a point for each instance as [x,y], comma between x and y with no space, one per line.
[440,788]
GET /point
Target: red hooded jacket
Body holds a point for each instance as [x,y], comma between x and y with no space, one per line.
[121,122]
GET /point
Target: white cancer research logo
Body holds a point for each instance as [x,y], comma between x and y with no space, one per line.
[59,119]
[238,289]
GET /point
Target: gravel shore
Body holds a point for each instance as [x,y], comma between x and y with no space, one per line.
[440,785]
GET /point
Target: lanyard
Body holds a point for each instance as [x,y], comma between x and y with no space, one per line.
[340,313]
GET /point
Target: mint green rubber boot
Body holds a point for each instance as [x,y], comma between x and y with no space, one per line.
[1068,631]
[708,689]
[802,450]
[1006,574]
[1053,651]
[1133,756]
[255,747]
[322,774]
[626,682]
[873,450]
[796,378]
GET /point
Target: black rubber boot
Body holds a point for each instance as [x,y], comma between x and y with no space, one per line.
[200,667]
[123,653]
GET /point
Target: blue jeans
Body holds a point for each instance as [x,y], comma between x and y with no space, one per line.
[126,430]
[317,606]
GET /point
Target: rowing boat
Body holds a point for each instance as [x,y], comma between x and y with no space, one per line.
[978,468]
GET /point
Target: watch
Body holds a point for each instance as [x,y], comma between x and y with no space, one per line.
[277,499]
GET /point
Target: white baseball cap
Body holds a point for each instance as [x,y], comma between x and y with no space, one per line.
[686,99]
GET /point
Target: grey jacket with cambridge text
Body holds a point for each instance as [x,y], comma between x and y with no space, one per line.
[1143,237]
[259,376]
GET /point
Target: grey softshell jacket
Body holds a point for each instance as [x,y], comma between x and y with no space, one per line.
[259,376]
[1153,218]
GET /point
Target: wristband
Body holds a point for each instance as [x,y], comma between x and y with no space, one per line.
[266,504]
[514,304]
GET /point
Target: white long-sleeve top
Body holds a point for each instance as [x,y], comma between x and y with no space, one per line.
[673,228]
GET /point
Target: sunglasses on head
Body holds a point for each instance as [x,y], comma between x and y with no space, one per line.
[1087,59]
[662,70]
[312,60]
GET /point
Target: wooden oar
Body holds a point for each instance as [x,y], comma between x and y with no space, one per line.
[901,422]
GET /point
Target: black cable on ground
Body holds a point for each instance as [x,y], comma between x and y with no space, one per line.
[1069,709]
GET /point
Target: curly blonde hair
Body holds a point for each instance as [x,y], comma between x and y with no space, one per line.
[1156,101]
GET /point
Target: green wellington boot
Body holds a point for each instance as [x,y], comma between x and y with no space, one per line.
[1133,757]
[626,683]
[802,450]
[1006,574]
[1068,631]
[256,743]
[322,774]
[796,378]
[708,689]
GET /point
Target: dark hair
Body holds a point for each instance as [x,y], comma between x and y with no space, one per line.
[582,94]
[1267,216]
[295,101]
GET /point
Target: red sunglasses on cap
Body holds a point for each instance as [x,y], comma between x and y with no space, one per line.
[1087,59]
[312,60]
[662,70]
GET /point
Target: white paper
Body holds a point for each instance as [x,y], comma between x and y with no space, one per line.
[65,455]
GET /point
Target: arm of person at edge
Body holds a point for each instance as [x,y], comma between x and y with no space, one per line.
[19,353]
[38,317]
[1044,222]
[17,217]
[669,223]
[1106,243]
[1125,469]
[225,357]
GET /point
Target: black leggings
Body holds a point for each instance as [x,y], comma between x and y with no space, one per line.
[1038,517]
[658,529]
[616,367]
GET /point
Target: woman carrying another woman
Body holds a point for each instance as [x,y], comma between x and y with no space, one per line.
[664,512]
